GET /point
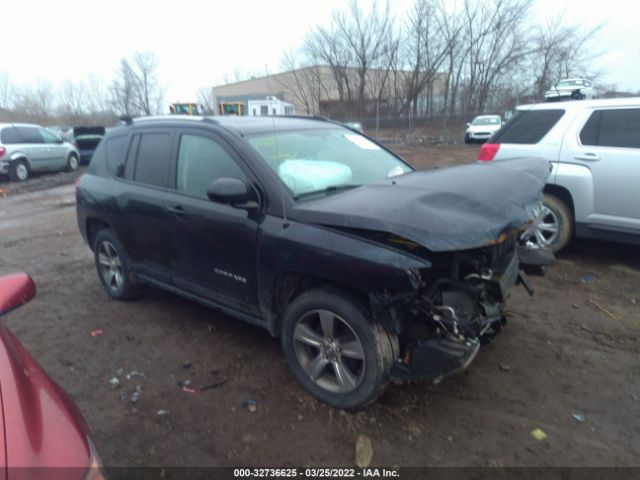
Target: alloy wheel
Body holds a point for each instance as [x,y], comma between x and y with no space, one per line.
[329,351]
[73,162]
[110,266]
[544,230]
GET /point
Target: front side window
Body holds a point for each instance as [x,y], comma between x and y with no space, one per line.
[325,159]
[613,128]
[202,160]
[48,137]
[152,164]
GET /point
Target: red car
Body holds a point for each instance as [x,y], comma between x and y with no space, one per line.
[43,432]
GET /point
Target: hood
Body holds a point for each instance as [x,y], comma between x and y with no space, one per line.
[454,208]
[80,131]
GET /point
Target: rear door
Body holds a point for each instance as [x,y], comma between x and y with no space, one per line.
[147,224]
[607,142]
[215,244]
[33,145]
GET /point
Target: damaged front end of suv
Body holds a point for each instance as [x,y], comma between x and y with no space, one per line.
[456,305]
[464,225]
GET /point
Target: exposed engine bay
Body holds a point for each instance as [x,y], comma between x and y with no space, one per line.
[457,305]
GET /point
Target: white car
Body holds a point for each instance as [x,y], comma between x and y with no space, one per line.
[482,127]
[570,89]
[593,146]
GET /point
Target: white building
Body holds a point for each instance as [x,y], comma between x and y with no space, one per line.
[269,106]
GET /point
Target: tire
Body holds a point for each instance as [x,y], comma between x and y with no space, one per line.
[72,162]
[317,357]
[554,228]
[114,267]
[19,171]
[467,139]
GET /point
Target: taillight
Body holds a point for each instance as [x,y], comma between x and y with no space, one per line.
[2,151]
[488,152]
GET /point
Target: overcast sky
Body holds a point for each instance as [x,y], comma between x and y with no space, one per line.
[198,42]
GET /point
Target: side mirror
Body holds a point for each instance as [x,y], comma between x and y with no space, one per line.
[231,191]
[60,140]
[468,124]
[15,290]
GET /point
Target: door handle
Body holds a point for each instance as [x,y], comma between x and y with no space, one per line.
[589,157]
[177,210]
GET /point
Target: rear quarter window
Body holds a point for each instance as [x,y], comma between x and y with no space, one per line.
[10,135]
[527,126]
[116,152]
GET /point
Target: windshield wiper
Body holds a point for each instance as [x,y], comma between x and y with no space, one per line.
[329,189]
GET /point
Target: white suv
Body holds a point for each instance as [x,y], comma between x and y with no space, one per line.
[594,188]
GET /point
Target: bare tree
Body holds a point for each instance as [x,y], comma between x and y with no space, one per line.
[370,38]
[36,101]
[7,91]
[148,94]
[122,93]
[205,98]
[425,50]
[136,89]
[72,102]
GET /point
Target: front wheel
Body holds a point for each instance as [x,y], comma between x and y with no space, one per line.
[335,349]
[72,162]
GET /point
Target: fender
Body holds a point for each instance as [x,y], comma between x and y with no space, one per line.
[578,180]
[333,256]
[20,155]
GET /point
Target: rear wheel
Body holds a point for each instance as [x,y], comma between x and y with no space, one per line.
[335,349]
[19,171]
[553,228]
[114,267]
[72,162]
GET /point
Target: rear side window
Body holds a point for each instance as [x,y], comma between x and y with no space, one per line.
[30,135]
[613,128]
[9,136]
[527,126]
[116,149]
[152,163]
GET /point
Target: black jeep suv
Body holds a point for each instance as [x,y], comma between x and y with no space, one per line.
[368,270]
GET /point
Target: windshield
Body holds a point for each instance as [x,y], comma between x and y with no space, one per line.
[317,160]
[486,121]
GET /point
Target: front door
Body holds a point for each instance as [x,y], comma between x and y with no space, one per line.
[215,244]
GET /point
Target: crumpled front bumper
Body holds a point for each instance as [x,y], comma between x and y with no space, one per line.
[435,359]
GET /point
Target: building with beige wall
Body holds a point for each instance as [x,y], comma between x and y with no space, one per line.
[319,90]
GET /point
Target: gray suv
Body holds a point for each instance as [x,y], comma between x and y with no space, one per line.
[26,148]
[594,147]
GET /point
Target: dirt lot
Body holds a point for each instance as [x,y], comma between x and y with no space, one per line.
[561,354]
